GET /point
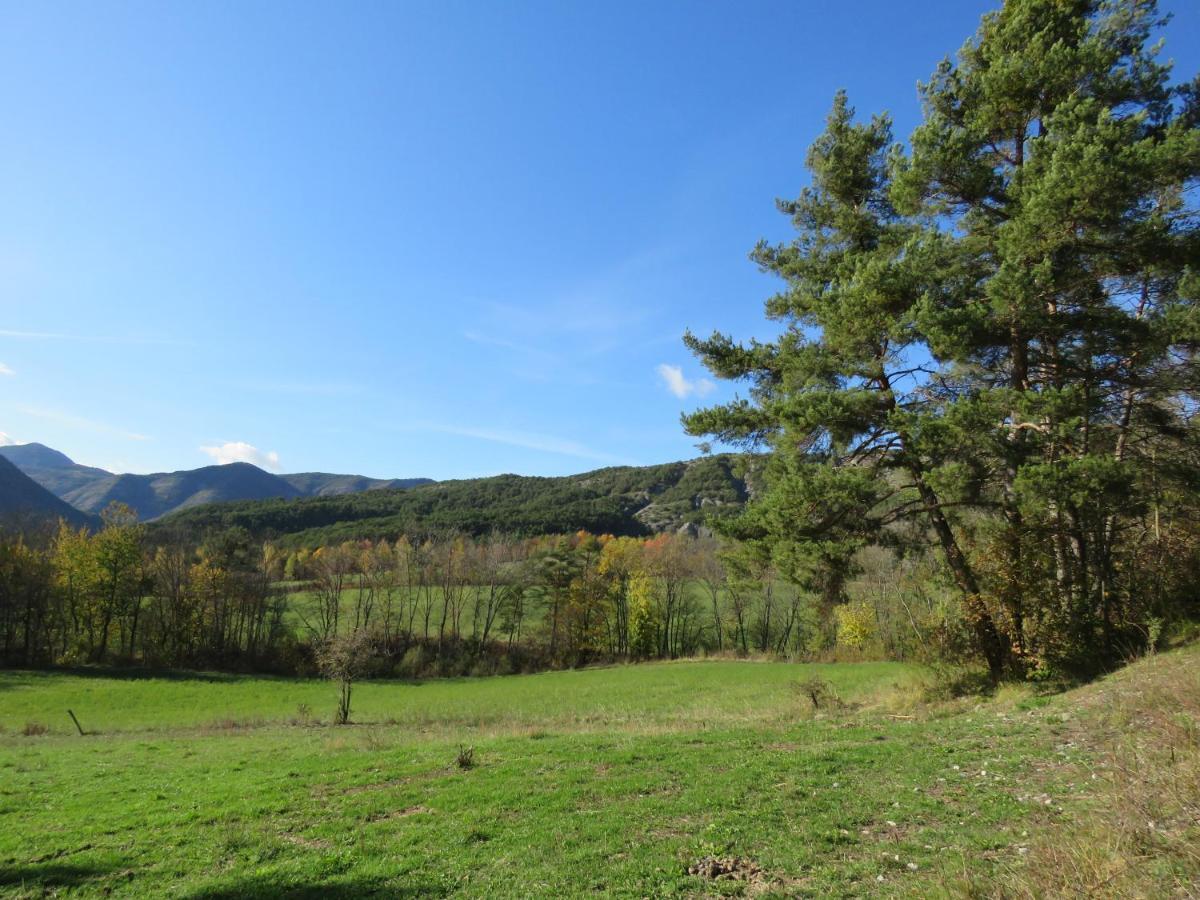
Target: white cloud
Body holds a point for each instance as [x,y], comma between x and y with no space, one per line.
[5,370]
[681,387]
[240,451]
[5,440]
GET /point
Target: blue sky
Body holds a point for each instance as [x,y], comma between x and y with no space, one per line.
[441,238]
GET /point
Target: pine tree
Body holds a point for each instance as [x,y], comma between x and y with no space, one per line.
[990,336]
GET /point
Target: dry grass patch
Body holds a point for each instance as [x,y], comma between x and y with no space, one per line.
[400,814]
[308,843]
[1133,743]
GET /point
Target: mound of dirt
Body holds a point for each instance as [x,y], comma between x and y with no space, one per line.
[729,868]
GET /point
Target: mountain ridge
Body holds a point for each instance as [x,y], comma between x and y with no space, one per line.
[90,489]
[619,500]
[311,508]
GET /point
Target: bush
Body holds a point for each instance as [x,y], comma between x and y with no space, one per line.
[482,668]
[951,682]
[819,692]
[856,626]
[465,759]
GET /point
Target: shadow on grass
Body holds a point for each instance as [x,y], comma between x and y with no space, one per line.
[50,875]
[10,678]
[260,887]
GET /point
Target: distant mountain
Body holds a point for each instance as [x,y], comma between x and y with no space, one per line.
[312,508]
[625,500]
[23,502]
[322,484]
[37,456]
[155,495]
[90,489]
[54,471]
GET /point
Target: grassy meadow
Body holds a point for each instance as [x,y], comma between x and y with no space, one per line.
[607,780]
[666,695]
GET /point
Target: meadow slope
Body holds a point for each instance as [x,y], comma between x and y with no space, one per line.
[611,780]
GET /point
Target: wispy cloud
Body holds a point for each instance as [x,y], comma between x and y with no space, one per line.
[489,340]
[73,421]
[680,386]
[240,451]
[538,365]
[36,335]
[530,440]
[90,338]
[303,388]
[588,317]
[6,440]
[556,327]
[5,370]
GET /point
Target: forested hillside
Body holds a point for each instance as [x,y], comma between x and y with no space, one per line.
[324,484]
[623,500]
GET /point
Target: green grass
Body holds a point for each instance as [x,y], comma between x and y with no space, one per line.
[607,781]
[665,695]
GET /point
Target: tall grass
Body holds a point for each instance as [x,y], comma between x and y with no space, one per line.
[1139,834]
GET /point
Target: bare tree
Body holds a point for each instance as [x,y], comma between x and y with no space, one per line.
[346,658]
[710,570]
[492,566]
[332,568]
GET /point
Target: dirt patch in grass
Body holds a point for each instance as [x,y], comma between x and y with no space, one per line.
[746,873]
[784,747]
[309,843]
[324,791]
[890,831]
[728,868]
[401,814]
[365,788]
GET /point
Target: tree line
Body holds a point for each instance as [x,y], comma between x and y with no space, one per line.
[443,605]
